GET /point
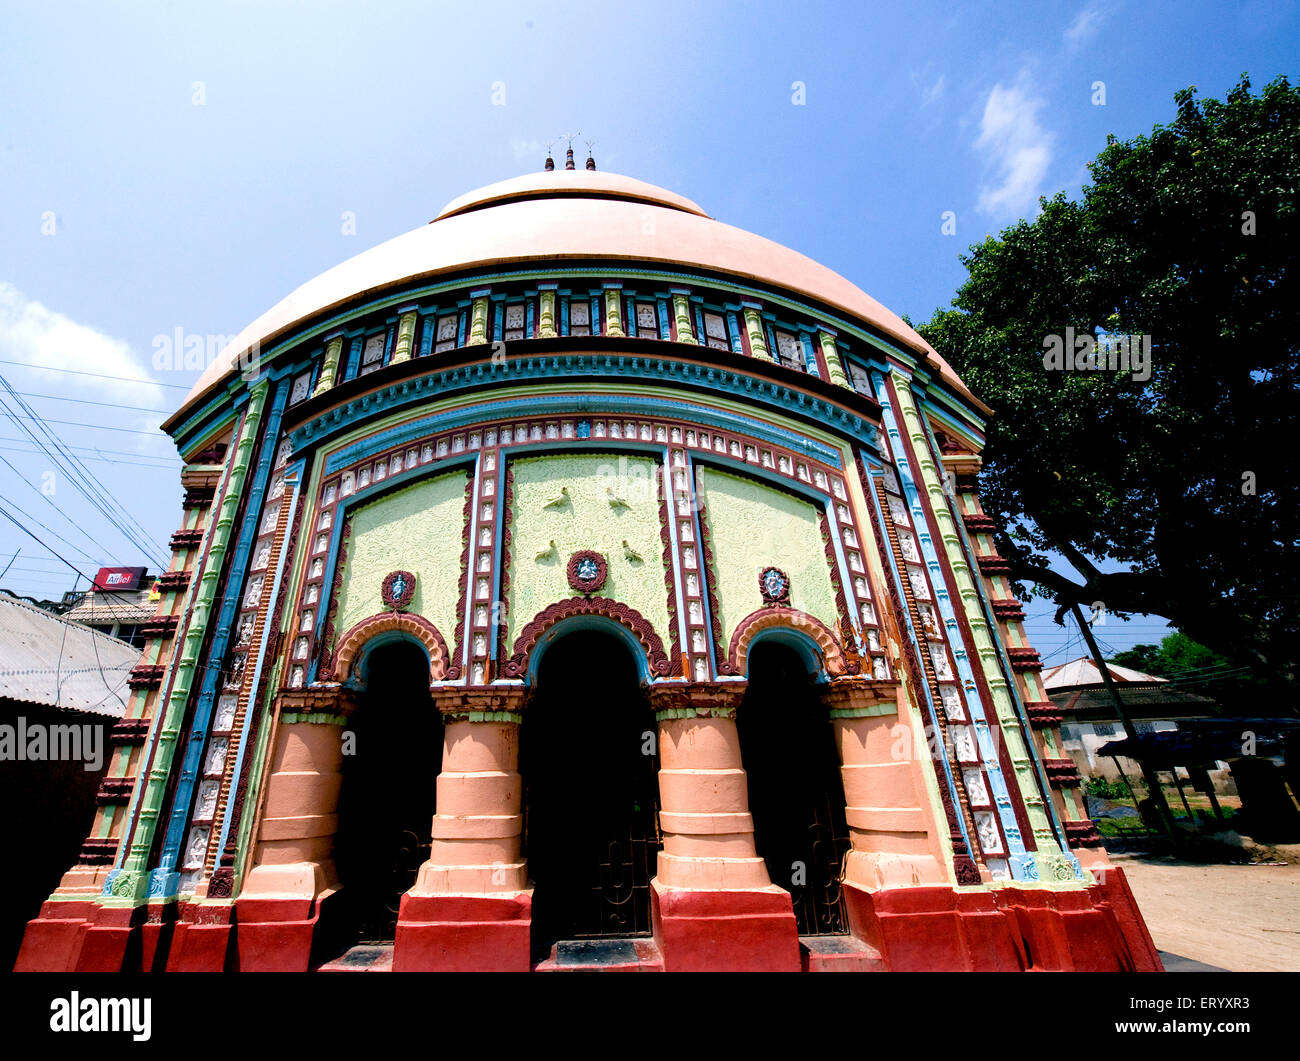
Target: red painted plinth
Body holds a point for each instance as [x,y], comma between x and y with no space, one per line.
[1010,929]
[463,933]
[271,935]
[51,945]
[718,931]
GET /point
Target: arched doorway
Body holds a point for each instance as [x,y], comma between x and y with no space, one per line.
[392,755]
[589,760]
[796,794]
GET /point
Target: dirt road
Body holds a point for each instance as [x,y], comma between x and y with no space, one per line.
[1242,918]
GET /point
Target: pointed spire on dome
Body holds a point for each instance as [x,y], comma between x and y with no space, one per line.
[568,158]
[550,162]
[591,162]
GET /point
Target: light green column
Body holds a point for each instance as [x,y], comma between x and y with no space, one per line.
[832,355]
[405,334]
[546,316]
[478,322]
[754,325]
[682,311]
[613,311]
[330,370]
[1049,852]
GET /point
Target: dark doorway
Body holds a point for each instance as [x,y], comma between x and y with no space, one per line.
[387,801]
[588,754]
[796,794]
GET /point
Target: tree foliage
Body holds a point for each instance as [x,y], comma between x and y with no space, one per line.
[1189,236]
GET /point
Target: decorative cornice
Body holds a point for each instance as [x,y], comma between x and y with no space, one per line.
[1007,609]
[416,626]
[146,676]
[1062,773]
[1024,659]
[1083,833]
[129,731]
[1042,713]
[160,626]
[991,565]
[979,523]
[857,696]
[115,790]
[318,700]
[481,704]
[186,539]
[174,582]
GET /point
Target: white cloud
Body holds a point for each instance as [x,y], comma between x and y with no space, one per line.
[1016,148]
[1087,22]
[933,92]
[32,333]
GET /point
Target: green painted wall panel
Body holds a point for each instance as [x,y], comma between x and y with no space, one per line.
[418,529]
[754,526]
[586,520]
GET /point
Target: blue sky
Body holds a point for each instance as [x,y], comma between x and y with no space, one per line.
[184,166]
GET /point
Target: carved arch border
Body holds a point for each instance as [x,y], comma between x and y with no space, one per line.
[833,658]
[351,643]
[627,617]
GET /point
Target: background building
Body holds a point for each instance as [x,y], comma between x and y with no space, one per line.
[579,579]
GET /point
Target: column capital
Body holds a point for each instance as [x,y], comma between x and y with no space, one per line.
[696,699]
[857,696]
[322,705]
[482,704]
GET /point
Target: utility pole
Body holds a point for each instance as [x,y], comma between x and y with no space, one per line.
[1148,774]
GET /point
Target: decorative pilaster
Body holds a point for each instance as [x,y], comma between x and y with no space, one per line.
[546,298]
[613,309]
[478,319]
[754,326]
[405,337]
[831,355]
[682,315]
[330,369]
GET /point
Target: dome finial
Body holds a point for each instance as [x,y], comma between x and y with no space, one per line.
[550,162]
[591,162]
[568,155]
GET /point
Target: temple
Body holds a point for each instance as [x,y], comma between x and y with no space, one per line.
[579,580]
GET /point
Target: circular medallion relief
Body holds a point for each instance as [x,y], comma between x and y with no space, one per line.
[397,590]
[587,571]
[774,585]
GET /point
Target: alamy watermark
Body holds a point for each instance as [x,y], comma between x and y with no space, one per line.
[1106,352]
[36,742]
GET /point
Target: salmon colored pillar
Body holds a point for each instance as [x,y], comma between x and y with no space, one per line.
[293,872]
[714,906]
[471,908]
[890,827]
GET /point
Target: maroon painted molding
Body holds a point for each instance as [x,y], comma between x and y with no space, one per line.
[991,565]
[199,496]
[1062,773]
[174,581]
[1008,609]
[115,790]
[1083,833]
[1024,659]
[130,731]
[146,676]
[186,539]
[160,626]
[1042,713]
[979,523]
[97,852]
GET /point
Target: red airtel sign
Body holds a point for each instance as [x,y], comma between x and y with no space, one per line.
[120,579]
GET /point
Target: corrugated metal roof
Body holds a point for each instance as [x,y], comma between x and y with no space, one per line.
[1083,672]
[103,609]
[45,659]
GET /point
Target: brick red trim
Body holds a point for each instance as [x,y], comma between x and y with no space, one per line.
[174,582]
[993,565]
[1008,609]
[97,852]
[146,676]
[1023,659]
[161,626]
[1042,713]
[199,496]
[979,523]
[186,539]
[1083,833]
[115,790]
[1062,773]
[130,731]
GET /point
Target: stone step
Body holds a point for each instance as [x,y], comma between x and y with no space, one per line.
[629,955]
[365,958]
[839,954]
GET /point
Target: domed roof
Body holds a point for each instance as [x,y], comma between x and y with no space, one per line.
[573,214]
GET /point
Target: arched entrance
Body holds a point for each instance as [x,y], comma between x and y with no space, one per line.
[392,757]
[796,794]
[589,762]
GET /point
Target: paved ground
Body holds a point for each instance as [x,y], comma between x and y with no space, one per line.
[1242,918]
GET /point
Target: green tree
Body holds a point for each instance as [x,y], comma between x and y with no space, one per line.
[1196,668]
[1189,236]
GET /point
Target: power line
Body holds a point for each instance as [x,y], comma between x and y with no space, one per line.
[98,449]
[79,475]
[102,460]
[98,427]
[96,375]
[87,401]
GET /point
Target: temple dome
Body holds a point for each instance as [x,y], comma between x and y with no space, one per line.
[566,214]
